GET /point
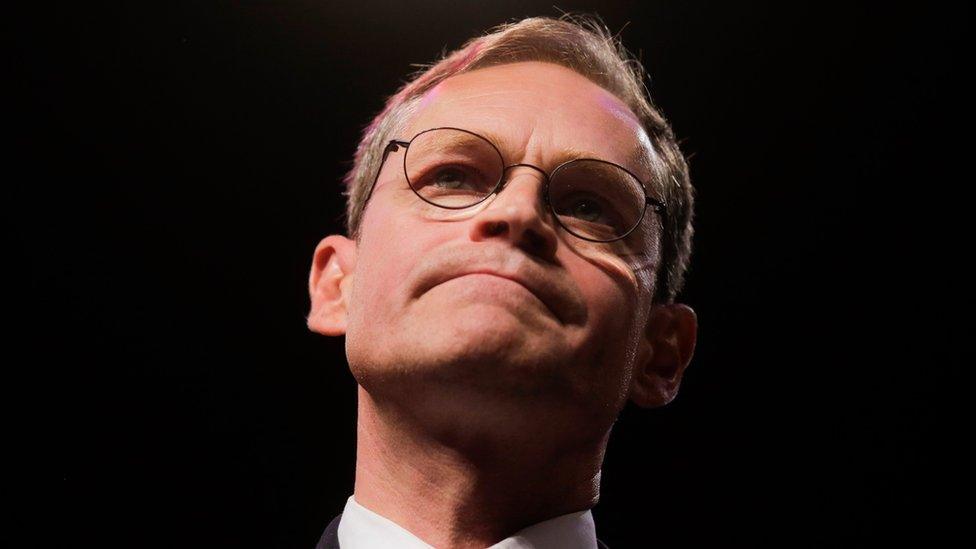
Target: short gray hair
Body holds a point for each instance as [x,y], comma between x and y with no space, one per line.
[585,45]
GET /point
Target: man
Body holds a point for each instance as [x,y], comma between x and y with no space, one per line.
[519,224]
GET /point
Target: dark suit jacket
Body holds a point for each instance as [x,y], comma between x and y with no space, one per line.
[330,538]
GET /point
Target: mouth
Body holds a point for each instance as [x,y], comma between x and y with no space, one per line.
[510,279]
[547,284]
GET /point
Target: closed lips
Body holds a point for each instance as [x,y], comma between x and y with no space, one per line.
[512,279]
[554,292]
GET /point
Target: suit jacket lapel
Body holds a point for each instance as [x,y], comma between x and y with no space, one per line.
[330,538]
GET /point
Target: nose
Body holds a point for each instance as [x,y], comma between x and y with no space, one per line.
[518,214]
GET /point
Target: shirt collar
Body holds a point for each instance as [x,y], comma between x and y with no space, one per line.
[360,528]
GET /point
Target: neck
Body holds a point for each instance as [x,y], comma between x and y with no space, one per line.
[469,487]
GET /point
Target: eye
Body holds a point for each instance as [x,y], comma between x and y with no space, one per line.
[452,178]
[588,215]
[587,209]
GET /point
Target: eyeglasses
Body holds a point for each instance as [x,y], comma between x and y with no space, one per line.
[592,199]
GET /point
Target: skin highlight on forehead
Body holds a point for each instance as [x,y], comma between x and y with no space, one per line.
[614,106]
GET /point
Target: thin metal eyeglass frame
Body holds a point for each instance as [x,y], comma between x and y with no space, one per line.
[394,145]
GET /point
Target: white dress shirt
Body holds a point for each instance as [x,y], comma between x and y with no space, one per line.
[360,528]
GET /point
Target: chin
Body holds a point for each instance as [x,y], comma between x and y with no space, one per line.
[493,356]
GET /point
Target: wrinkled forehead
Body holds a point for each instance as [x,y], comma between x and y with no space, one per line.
[537,112]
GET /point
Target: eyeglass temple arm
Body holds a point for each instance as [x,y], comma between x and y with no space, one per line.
[659,206]
[392,146]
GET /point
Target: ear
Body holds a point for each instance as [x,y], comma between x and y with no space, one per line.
[329,282]
[664,353]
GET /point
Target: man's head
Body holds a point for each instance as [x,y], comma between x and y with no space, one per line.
[494,314]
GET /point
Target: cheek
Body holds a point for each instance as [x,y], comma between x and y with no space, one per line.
[611,342]
[607,280]
[391,245]
[604,289]
[613,296]
[379,265]
[610,301]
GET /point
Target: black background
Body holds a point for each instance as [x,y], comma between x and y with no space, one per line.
[174,166]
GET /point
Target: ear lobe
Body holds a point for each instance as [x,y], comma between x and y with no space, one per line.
[665,352]
[333,266]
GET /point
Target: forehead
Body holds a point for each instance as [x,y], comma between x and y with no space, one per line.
[537,112]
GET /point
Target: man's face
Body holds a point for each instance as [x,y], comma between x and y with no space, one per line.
[496,307]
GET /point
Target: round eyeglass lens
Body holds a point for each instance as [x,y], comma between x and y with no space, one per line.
[452,168]
[596,200]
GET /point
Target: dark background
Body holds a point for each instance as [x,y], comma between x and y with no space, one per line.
[174,165]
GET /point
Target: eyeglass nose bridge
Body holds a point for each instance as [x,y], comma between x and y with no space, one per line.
[544,190]
[504,179]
